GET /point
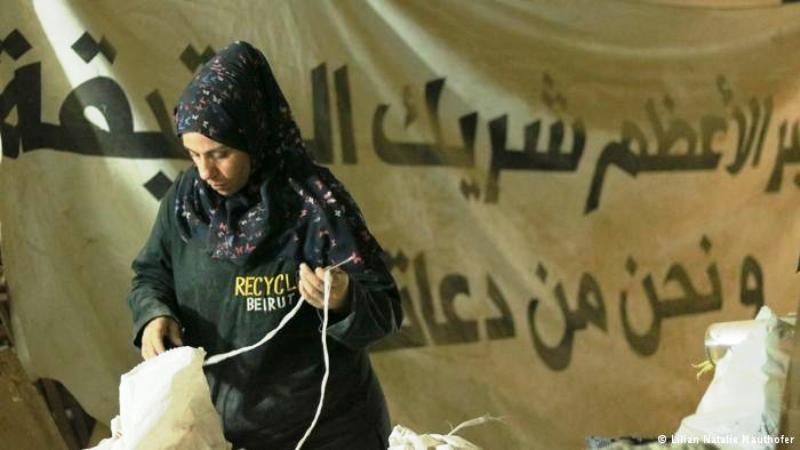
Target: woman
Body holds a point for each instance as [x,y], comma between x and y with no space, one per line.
[240,237]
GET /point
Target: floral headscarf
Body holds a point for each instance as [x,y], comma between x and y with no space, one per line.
[235,100]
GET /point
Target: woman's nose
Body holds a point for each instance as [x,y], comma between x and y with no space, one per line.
[205,168]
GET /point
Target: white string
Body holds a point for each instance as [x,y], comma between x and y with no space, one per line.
[473,422]
[326,357]
[326,298]
[222,357]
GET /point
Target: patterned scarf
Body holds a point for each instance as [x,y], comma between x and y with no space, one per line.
[235,100]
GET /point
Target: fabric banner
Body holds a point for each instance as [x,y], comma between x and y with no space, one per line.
[569,193]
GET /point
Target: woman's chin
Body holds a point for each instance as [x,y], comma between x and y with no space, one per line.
[226,190]
[221,190]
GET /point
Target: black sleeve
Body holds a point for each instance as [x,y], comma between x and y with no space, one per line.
[152,289]
[374,309]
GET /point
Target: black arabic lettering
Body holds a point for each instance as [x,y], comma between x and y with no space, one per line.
[75,133]
[690,302]
[119,140]
[499,327]
[345,111]
[788,153]
[591,309]
[664,159]
[710,126]
[531,158]
[667,137]
[642,343]
[426,154]
[619,154]
[752,135]
[321,145]
[751,284]
[159,109]
[455,329]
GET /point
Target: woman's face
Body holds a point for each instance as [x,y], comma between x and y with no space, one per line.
[223,168]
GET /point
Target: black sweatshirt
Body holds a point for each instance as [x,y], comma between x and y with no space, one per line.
[267,397]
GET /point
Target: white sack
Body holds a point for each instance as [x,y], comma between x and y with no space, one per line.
[165,404]
[742,404]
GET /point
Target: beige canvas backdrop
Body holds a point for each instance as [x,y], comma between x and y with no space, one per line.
[468,260]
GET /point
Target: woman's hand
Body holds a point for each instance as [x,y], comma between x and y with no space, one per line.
[312,287]
[154,333]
